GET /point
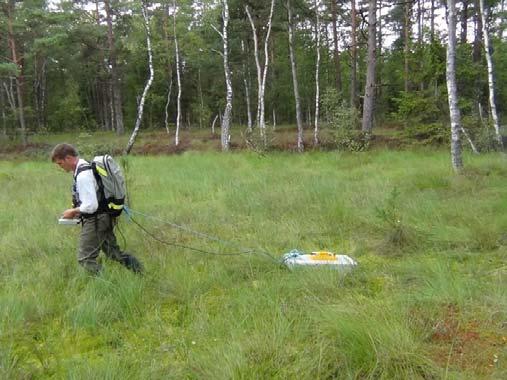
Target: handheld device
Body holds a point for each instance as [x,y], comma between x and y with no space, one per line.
[69,222]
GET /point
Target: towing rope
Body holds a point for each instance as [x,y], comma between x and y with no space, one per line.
[244,251]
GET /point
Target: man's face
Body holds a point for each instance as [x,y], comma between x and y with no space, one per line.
[67,163]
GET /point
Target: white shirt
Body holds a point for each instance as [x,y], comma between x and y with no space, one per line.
[86,187]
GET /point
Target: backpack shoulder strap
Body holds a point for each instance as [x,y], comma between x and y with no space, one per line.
[82,168]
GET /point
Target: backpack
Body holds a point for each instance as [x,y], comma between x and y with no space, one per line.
[111,182]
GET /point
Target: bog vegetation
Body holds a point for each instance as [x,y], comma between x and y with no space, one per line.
[428,299]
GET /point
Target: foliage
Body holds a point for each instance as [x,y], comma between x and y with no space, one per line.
[343,121]
[429,134]
[418,107]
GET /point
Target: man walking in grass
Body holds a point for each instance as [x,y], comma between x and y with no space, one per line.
[97,224]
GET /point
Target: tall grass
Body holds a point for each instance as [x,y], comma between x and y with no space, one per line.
[428,299]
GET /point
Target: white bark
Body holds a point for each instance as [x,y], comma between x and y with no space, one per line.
[213,124]
[369,92]
[140,107]
[317,69]
[472,145]
[353,56]
[246,82]
[261,72]
[491,79]
[226,120]
[178,78]
[456,159]
[299,122]
[166,109]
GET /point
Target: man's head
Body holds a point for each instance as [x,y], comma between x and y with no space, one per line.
[65,156]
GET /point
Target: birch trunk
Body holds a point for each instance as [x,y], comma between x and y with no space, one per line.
[317,68]
[226,120]
[140,107]
[178,79]
[261,72]
[491,79]
[300,146]
[456,159]
[406,39]
[166,109]
[19,80]
[246,82]
[353,56]
[116,102]
[336,52]
[369,92]
[213,125]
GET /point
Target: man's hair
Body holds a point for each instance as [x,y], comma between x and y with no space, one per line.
[63,150]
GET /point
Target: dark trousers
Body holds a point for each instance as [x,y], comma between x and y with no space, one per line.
[97,234]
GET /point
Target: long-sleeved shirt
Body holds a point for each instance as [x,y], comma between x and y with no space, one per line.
[86,187]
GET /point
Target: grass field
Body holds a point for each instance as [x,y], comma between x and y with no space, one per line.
[428,299]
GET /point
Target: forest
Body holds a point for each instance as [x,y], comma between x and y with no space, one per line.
[349,68]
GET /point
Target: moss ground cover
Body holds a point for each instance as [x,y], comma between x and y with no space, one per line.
[428,299]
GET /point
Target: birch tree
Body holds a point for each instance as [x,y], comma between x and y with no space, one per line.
[353,55]
[456,159]
[116,98]
[491,81]
[317,69]
[261,71]
[226,119]
[300,146]
[369,92]
[336,51]
[140,107]
[8,9]
[178,78]
[246,83]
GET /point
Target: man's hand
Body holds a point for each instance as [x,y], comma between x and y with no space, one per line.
[71,213]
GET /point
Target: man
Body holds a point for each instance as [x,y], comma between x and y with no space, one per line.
[97,225]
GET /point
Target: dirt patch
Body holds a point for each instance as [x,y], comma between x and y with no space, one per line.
[162,148]
[465,345]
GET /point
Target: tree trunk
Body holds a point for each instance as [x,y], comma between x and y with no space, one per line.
[317,69]
[457,162]
[178,78]
[246,82]
[261,72]
[353,56]
[406,39]
[140,107]
[226,120]
[260,101]
[432,21]
[369,91]
[464,22]
[491,79]
[300,146]
[336,51]
[4,116]
[478,38]
[19,79]
[115,83]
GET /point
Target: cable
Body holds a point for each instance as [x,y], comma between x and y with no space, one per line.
[181,245]
[129,213]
